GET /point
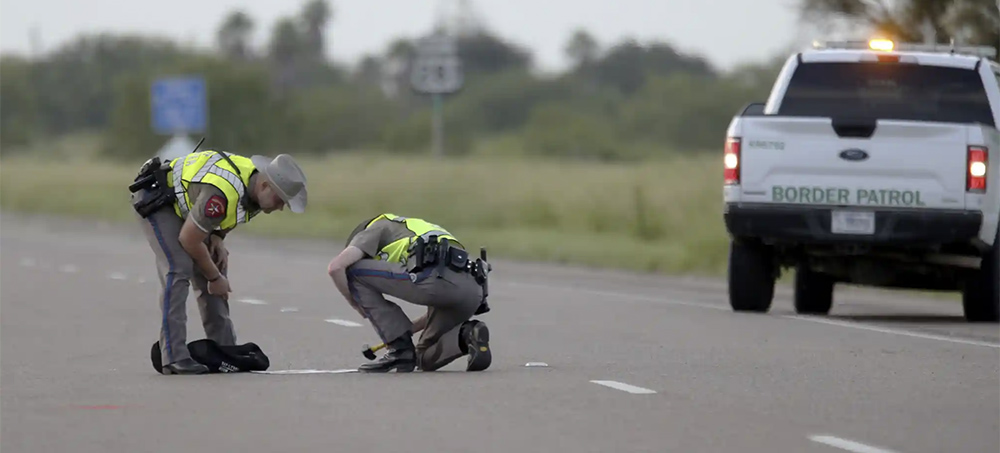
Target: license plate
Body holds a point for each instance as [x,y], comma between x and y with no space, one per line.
[852,222]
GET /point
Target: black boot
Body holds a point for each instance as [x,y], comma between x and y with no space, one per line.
[401,355]
[475,338]
[185,366]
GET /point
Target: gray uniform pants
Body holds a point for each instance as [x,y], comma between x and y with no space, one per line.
[451,297]
[177,271]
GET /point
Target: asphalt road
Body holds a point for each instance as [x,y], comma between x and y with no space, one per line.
[676,370]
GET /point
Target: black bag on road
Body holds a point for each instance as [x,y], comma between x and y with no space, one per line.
[219,359]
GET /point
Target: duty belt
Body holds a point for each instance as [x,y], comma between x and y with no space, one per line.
[434,251]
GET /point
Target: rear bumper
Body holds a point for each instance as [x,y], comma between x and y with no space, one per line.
[800,225]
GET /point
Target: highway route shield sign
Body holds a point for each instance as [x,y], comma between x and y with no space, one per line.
[437,68]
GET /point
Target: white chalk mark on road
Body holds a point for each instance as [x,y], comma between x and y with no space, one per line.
[343,322]
[253,301]
[69,269]
[306,371]
[625,387]
[848,445]
[117,276]
[906,333]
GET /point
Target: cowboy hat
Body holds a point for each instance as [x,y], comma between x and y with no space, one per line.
[286,177]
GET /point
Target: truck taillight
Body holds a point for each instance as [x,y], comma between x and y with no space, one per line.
[976,177]
[731,160]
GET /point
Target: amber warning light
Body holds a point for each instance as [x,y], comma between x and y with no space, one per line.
[881,44]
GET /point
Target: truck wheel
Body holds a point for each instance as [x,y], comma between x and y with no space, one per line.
[813,292]
[751,277]
[981,294]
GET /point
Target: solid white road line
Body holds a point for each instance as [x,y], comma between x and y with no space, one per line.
[253,301]
[848,445]
[906,333]
[669,301]
[343,322]
[665,299]
[624,387]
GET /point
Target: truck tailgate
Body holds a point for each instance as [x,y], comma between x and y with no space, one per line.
[819,161]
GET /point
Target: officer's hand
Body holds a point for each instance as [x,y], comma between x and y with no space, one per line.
[221,257]
[217,250]
[219,287]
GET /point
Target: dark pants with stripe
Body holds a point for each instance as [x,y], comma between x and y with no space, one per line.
[177,271]
[451,299]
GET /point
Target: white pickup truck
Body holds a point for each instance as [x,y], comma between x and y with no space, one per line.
[871,164]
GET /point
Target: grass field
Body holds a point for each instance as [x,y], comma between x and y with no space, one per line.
[662,216]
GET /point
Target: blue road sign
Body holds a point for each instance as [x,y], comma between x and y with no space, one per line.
[179,105]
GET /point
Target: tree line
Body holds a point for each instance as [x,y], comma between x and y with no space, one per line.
[626,99]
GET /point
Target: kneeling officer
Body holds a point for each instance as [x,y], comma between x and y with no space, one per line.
[186,208]
[423,264]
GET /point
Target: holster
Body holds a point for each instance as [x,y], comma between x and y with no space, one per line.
[152,179]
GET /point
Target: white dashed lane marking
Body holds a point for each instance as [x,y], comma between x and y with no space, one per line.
[849,445]
[289,310]
[625,387]
[117,276]
[343,322]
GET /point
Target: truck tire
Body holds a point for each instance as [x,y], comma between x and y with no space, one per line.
[813,292]
[981,294]
[751,277]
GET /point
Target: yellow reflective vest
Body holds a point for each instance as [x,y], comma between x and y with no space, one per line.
[209,167]
[397,251]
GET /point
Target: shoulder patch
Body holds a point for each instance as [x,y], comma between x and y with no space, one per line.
[215,207]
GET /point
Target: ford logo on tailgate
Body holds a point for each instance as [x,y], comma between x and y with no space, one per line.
[853,154]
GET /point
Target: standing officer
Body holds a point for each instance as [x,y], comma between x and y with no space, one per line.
[186,208]
[424,264]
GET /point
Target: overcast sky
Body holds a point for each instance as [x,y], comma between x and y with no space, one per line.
[726,31]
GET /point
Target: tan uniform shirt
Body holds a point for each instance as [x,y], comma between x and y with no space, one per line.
[381,234]
[378,235]
[209,205]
